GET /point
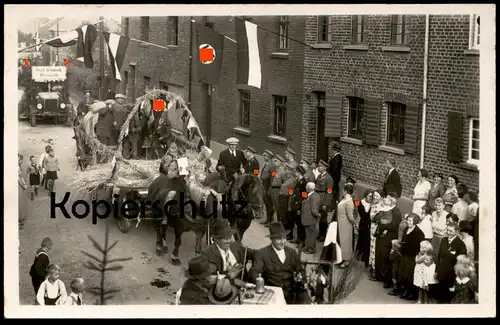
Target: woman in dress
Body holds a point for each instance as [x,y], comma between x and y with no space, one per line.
[437,190]
[438,223]
[388,219]
[461,208]
[450,195]
[421,192]
[377,197]
[346,220]
[363,246]
[410,247]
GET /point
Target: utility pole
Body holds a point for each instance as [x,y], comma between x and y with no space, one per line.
[101,58]
[57,49]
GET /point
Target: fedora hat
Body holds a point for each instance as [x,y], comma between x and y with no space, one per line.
[276,230]
[223,292]
[200,267]
[222,230]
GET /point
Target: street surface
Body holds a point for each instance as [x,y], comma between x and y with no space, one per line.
[70,238]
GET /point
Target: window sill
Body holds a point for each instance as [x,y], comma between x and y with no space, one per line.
[393,150]
[396,48]
[276,139]
[322,45]
[471,52]
[242,131]
[357,142]
[470,166]
[280,55]
[356,47]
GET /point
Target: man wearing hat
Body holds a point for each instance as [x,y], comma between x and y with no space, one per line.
[324,187]
[266,176]
[104,124]
[200,280]
[136,126]
[84,105]
[230,163]
[228,256]
[299,195]
[120,114]
[309,174]
[276,182]
[290,155]
[252,166]
[310,217]
[280,266]
[285,212]
[334,169]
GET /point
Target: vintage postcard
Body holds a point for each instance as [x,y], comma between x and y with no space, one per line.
[337,158]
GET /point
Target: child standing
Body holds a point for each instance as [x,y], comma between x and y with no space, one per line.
[20,177]
[423,275]
[395,257]
[51,165]
[33,173]
[52,291]
[465,287]
[40,163]
[75,297]
[38,270]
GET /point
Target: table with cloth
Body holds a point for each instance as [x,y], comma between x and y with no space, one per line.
[271,296]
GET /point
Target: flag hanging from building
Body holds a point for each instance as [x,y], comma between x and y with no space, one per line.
[250,53]
[208,55]
[66,39]
[117,47]
[87,35]
[37,41]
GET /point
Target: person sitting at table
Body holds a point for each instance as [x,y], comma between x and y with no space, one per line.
[200,280]
[227,255]
[280,266]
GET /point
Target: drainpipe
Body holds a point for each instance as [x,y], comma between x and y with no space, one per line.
[424,105]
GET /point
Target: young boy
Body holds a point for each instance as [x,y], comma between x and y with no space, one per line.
[395,257]
[38,270]
[52,291]
[40,163]
[33,172]
[75,297]
[51,165]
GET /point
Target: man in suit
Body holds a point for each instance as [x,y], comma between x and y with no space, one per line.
[280,266]
[451,246]
[84,105]
[324,187]
[200,280]
[392,181]
[285,203]
[335,168]
[227,255]
[309,175]
[290,156]
[299,195]
[276,182]
[252,165]
[266,175]
[310,217]
[230,165]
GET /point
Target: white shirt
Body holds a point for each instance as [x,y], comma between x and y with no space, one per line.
[52,289]
[426,226]
[281,254]
[316,172]
[469,245]
[472,210]
[233,152]
[228,258]
[72,299]
[439,223]
[390,171]
[42,158]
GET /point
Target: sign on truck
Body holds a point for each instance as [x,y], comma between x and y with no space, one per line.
[48,73]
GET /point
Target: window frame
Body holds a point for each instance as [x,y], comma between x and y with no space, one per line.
[474,32]
[282,38]
[355,21]
[405,35]
[401,118]
[319,32]
[276,105]
[359,121]
[143,30]
[243,100]
[471,160]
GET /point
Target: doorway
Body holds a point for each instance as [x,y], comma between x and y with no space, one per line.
[321,140]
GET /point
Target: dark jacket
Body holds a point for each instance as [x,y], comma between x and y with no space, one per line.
[104,123]
[300,187]
[447,258]
[310,210]
[266,174]
[251,165]
[39,267]
[335,167]
[393,183]
[213,255]
[230,162]
[193,293]
[410,243]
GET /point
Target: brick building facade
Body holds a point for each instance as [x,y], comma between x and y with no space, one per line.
[227,109]
[363,87]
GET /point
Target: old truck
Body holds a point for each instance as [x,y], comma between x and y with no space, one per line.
[47,96]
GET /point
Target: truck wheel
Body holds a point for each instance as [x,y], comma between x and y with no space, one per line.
[33,120]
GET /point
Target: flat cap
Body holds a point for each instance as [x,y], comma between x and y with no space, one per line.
[232,140]
[277,156]
[290,151]
[251,149]
[120,96]
[336,145]
[301,170]
[307,161]
[350,180]
[269,152]
[323,163]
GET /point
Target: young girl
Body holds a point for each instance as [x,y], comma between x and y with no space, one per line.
[51,165]
[465,287]
[426,224]
[52,289]
[438,223]
[423,275]
[33,172]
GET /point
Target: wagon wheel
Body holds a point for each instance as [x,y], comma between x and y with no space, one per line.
[33,120]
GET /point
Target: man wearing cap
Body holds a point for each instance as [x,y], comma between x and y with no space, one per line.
[290,156]
[300,194]
[280,266]
[309,174]
[84,105]
[228,256]
[310,217]
[266,175]
[135,130]
[120,114]
[104,124]
[252,166]
[335,167]
[276,182]
[230,164]
[285,202]
[200,280]
[324,187]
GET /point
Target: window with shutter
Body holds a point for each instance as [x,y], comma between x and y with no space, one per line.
[396,116]
[411,129]
[371,111]
[454,137]
[473,141]
[333,116]
[355,125]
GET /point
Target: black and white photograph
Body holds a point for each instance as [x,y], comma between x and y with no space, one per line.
[232,156]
